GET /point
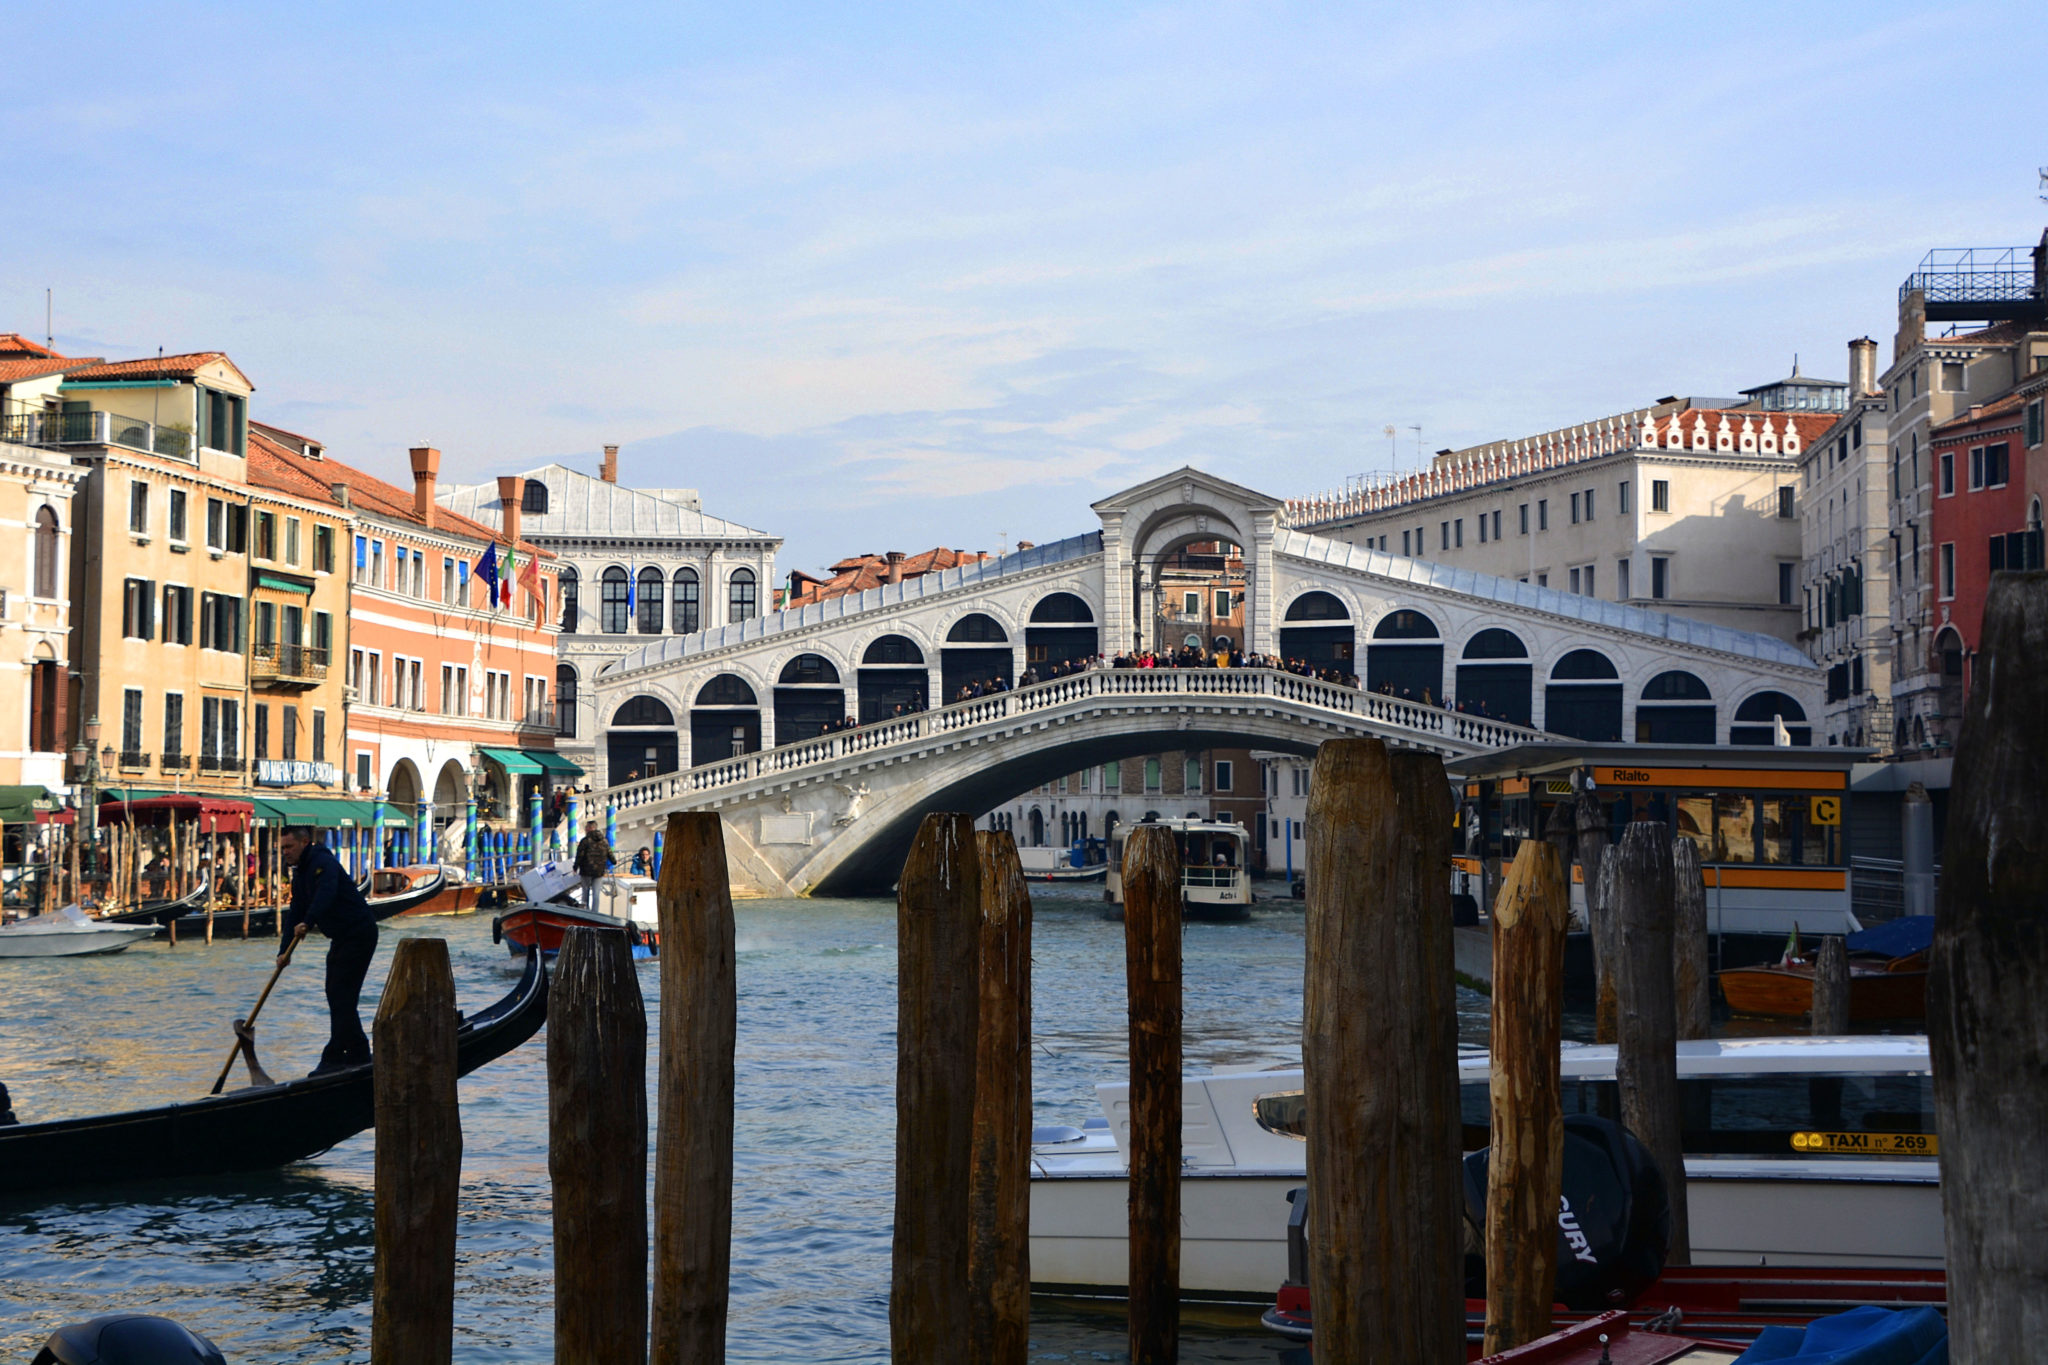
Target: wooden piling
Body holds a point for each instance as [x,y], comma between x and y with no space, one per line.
[418,1159]
[1646,1060]
[1691,980]
[1591,819]
[1525,1170]
[1987,990]
[693,1153]
[597,1150]
[1831,988]
[999,1184]
[1379,1051]
[938,948]
[1152,975]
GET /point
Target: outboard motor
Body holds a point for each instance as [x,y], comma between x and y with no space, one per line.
[128,1339]
[1613,1225]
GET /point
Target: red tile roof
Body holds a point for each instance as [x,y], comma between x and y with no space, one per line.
[15,344]
[171,366]
[858,573]
[278,467]
[14,369]
[2004,405]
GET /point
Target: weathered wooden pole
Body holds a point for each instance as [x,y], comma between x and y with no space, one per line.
[1525,1169]
[938,948]
[597,1150]
[1691,981]
[1379,1051]
[1646,1060]
[693,1154]
[1152,931]
[1591,818]
[1987,991]
[418,1159]
[1831,988]
[999,1188]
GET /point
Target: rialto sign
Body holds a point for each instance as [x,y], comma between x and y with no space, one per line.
[288,772]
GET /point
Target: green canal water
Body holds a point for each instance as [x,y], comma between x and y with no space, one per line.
[277,1266]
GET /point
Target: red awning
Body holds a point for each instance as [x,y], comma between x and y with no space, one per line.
[215,814]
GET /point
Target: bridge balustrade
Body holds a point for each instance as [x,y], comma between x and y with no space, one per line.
[1393,712]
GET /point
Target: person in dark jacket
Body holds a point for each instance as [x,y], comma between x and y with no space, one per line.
[593,859]
[326,898]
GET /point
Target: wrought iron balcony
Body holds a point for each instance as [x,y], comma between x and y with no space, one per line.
[1977,284]
[132,758]
[288,665]
[210,763]
[172,763]
[94,427]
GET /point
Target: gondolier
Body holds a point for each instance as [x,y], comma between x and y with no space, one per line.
[326,898]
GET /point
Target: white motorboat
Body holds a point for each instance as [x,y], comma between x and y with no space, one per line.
[68,932]
[1799,1151]
[1215,876]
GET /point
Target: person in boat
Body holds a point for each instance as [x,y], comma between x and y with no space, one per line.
[643,861]
[593,859]
[155,875]
[7,1108]
[326,898]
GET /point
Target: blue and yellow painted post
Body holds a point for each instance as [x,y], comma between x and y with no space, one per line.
[469,839]
[377,838]
[657,853]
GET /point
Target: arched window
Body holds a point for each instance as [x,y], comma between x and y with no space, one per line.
[1583,699]
[745,599]
[565,700]
[614,590]
[808,669]
[1583,665]
[1677,685]
[1317,606]
[1675,708]
[46,553]
[535,499]
[689,617]
[1495,644]
[648,603]
[644,710]
[892,649]
[1494,680]
[571,604]
[727,689]
[1756,721]
[1060,606]
[976,628]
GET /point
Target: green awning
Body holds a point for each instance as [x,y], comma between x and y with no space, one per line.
[282,583]
[17,804]
[512,760]
[553,763]
[321,812]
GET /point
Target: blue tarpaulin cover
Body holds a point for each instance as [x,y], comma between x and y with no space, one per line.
[1861,1336]
[1896,938]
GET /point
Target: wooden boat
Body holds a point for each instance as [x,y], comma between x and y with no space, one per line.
[263,918]
[245,1130]
[1896,989]
[68,932]
[1611,1339]
[1095,873]
[161,911]
[531,924]
[453,897]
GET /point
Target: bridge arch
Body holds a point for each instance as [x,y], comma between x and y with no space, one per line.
[1675,707]
[1060,632]
[1583,697]
[1406,656]
[1495,677]
[977,651]
[725,719]
[809,699]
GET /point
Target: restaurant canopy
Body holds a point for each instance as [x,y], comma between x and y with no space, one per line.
[533,762]
[22,805]
[215,814]
[324,812]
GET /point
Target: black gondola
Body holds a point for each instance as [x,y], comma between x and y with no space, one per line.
[245,1130]
[263,920]
[163,911]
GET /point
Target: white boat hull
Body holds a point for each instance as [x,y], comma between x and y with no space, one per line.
[1234,1227]
[71,943]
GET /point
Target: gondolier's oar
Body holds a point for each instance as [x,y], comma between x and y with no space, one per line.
[284,959]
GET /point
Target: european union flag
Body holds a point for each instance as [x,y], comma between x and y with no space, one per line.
[487,570]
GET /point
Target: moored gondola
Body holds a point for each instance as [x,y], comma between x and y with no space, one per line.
[244,1130]
[162,911]
[263,919]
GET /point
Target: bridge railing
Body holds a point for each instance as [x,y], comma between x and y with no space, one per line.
[1393,712]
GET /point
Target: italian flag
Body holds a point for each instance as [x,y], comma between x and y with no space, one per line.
[505,578]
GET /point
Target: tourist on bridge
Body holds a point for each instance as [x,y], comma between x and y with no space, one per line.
[326,898]
[593,859]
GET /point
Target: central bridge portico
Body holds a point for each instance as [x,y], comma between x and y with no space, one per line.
[809,813]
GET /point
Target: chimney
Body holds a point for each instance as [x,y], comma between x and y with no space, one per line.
[510,486]
[1862,368]
[610,472]
[895,574]
[426,463]
[340,492]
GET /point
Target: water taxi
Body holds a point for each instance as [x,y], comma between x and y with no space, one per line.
[1215,874]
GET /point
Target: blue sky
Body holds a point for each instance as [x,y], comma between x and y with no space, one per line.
[889,277]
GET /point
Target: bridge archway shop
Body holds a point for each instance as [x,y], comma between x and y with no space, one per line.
[892,680]
[641,738]
[1318,630]
[808,698]
[1406,658]
[977,650]
[725,720]
[1583,700]
[1061,632]
[1494,677]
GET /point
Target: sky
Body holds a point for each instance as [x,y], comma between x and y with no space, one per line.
[889,277]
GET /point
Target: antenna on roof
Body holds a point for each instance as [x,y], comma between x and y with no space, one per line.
[49,327]
[1418,442]
[1389,430]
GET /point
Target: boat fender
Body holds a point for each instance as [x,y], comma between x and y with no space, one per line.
[1613,1220]
[128,1339]
[497,930]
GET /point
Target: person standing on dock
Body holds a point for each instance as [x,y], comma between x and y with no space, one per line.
[326,898]
[593,859]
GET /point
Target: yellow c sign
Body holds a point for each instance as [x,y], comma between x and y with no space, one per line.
[1827,810]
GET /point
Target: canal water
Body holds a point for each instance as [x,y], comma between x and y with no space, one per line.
[276,1266]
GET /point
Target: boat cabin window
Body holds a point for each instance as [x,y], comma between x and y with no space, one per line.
[1284,1112]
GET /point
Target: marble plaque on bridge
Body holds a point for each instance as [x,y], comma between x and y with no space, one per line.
[793,828]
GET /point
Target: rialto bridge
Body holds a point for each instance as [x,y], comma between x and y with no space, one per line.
[730,719]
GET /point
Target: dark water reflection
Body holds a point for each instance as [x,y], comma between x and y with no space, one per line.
[277,1266]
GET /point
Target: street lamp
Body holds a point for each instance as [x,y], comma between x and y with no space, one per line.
[85,756]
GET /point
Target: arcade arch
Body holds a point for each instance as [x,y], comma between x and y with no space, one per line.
[1318,630]
[1495,677]
[1406,657]
[725,720]
[1583,698]
[892,679]
[1676,708]
[640,739]
[977,650]
[808,698]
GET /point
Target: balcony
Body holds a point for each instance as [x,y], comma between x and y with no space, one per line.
[281,665]
[541,719]
[96,427]
[132,758]
[175,763]
[210,763]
